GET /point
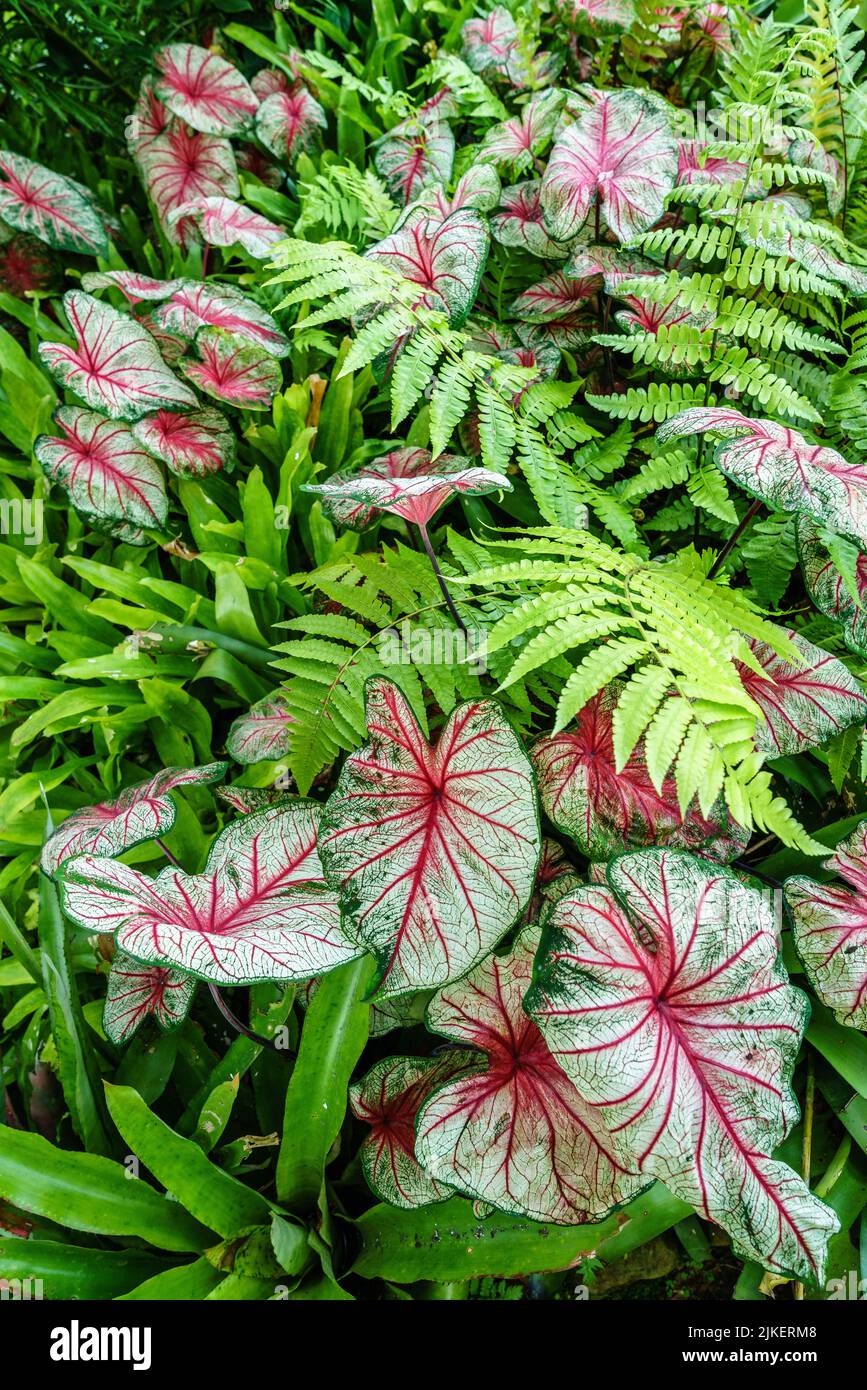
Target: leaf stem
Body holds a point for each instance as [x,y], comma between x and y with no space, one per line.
[425,540]
[733,539]
[239,1027]
[807,1145]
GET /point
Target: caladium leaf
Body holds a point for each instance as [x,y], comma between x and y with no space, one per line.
[115,365]
[433,866]
[478,188]
[557,298]
[694,166]
[182,165]
[517,1133]
[445,259]
[233,371]
[204,90]
[258,911]
[830,930]
[398,463]
[598,16]
[193,305]
[604,810]
[134,286]
[555,877]
[247,800]
[192,446]
[819,258]
[712,22]
[518,222]
[136,992]
[415,496]
[489,43]
[223,222]
[269,80]
[608,264]
[684,1042]
[262,733]
[107,474]
[150,119]
[417,152]
[287,122]
[141,812]
[27,267]
[48,206]
[521,139]
[388,1099]
[811,154]
[841,596]
[778,465]
[802,706]
[620,150]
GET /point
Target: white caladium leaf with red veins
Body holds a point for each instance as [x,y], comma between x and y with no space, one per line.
[516,1134]
[136,992]
[608,264]
[233,371]
[488,43]
[192,445]
[802,706]
[262,734]
[684,1046]
[203,90]
[183,165]
[398,463]
[444,258]
[518,222]
[193,305]
[288,122]
[223,222]
[830,930]
[141,812]
[712,22]
[388,1099]
[557,298]
[433,849]
[694,166]
[605,811]
[649,315]
[414,154]
[134,286]
[267,81]
[107,474]
[778,465]
[521,139]
[598,16]
[478,188]
[821,259]
[839,595]
[115,365]
[150,119]
[415,496]
[259,910]
[50,207]
[620,150]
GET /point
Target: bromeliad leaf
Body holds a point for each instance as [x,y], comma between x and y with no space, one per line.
[287,122]
[830,930]
[802,706]
[136,992]
[58,211]
[259,911]
[407,483]
[685,1046]
[223,222]
[445,258]
[262,733]
[192,446]
[233,371]
[204,90]
[115,365]
[432,848]
[141,812]
[841,594]
[192,305]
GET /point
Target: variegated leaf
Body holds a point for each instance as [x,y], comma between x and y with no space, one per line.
[192,446]
[445,259]
[416,153]
[262,733]
[488,43]
[193,305]
[136,992]
[841,596]
[27,266]
[415,493]
[247,800]
[50,207]
[133,286]
[518,222]
[556,299]
[259,910]
[517,142]
[695,166]
[666,1003]
[183,165]
[204,90]
[233,371]
[288,122]
[820,258]
[711,20]
[830,930]
[598,16]
[150,119]
[223,222]
[433,848]
[802,706]
[479,188]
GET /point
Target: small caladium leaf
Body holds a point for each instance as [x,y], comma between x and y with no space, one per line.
[398,463]
[203,90]
[609,265]
[445,259]
[141,812]
[622,151]
[183,165]
[248,800]
[604,810]
[50,207]
[414,154]
[778,465]
[262,734]
[802,706]
[251,160]
[136,992]
[489,43]
[233,371]
[598,16]
[107,474]
[258,911]
[388,1099]
[192,445]
[193,305]
[115,365]
[223,222]
[288,122]
[415,496]
[431,866]
[134,286]
[518,141]
[555,877]
[840,594]
[518,222]
[712,22]
[664,1000]
[649,315]
[515,1133]
[478,188]
[830,930]
[557,298]
[27,267]
[695,166]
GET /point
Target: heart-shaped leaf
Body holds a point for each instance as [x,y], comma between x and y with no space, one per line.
[598,16]
[518,141]
[192,446]
[516,1133]
[233,371]
[115,365]
[204,90]
[518,222]
[712,22]
[802,706]
[556,299]
[478,188]
[416,492]
[388,1099]
[136,992]
[259,911]
[695,166]
[778,465]
[182,165]
[840,594]
[223,222]
[684,1046]
[287,122]
[489,43]
[416,153]
[445,259]
[150,119]
[605,810]
[262,733]
[621,151]
[134,286]
[830,930]
[433,849]
[194,305]
[109,477]
[50,207]
[141,812]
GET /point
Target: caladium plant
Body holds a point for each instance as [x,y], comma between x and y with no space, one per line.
[830,930]
[408,483]
[262,733]
[839,592]
[288,122]
[232,370]
[684,1047]
[137,992]
[190,306]
[416,153]
[518,221]
[133,286]
[191,445]
[203,90]
[802,705]
[223,222]
[183,165]
[50,207]
[517,142]
[444,258]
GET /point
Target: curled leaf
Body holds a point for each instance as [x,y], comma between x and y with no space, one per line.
[405,482]
[802,706]
[830,930]
[223,222]
[192,305]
